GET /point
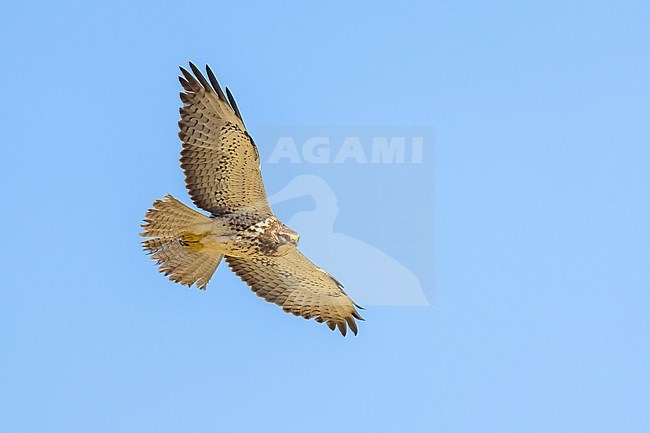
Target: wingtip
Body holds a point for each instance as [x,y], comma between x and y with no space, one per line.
[192,66]
[352,324]
[193,83]
[343,329]
[233,104]
[200,77]
[215,82]
[184,71]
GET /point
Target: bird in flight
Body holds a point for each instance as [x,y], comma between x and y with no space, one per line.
[223,175]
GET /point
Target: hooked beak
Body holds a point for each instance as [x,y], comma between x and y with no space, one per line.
[292,235]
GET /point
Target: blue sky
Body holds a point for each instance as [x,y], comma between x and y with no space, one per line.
[538,237]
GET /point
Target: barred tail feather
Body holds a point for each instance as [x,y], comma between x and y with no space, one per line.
[167,225]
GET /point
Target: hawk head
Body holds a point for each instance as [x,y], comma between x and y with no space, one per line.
[288,236]
[274,238]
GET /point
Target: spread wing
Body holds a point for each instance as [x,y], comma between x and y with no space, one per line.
[299,287]
[220,160]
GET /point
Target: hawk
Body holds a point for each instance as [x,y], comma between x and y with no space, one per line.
[222,171]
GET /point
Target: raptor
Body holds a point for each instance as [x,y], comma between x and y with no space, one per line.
[222,171]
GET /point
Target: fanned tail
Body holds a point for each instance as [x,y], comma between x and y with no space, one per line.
[174,246]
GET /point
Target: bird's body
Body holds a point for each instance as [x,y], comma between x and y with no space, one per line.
[223,175]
